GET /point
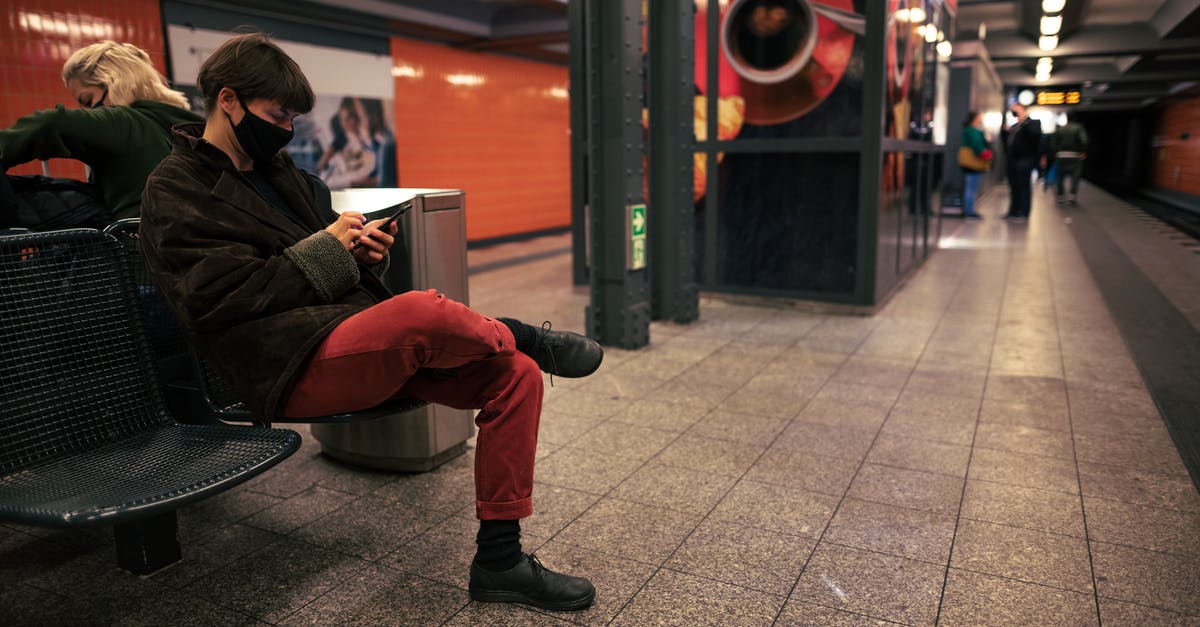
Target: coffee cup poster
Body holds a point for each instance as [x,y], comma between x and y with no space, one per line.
[785,68]
[348,138]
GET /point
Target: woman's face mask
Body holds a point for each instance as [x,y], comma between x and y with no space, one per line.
[88,96]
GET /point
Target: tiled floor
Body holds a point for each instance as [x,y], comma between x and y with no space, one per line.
[982,451]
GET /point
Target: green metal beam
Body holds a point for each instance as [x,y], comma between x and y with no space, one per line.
[870,165]
[619,314]
[577,77]
[711,194]
[674,294]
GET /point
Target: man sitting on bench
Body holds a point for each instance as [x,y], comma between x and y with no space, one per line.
[282,297]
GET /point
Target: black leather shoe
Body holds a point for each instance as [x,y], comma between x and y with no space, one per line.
[566,354]
[531,583]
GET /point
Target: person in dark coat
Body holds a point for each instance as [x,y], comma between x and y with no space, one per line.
[282,295]
[1069,146]
[122,130]
[1023,146]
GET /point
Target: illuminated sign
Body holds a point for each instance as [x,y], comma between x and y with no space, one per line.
[1058,97]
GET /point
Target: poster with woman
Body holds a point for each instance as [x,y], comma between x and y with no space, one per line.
[348,138]
[348,142]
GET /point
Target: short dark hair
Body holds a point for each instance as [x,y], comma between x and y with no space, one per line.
[971,115]
[254,67]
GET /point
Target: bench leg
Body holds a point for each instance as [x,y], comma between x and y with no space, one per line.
[147,545]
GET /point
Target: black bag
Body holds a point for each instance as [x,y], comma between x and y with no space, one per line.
[41,203]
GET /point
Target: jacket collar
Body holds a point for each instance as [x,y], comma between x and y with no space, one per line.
[234,188]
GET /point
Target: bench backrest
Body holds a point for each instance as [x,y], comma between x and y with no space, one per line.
[167,338]
[75,366]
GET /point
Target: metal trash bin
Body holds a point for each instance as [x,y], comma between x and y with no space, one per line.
[430,252]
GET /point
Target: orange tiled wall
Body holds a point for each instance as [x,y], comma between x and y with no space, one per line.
[1176,162]
[37,37]
[494,126]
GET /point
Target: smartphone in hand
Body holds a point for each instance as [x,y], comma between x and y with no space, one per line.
[398,211]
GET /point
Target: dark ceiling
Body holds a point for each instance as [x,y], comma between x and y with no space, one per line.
[1122,54]
[530,28]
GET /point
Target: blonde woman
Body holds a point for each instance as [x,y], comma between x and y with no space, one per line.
[121,131]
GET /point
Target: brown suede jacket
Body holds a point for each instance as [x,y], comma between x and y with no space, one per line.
[256,290]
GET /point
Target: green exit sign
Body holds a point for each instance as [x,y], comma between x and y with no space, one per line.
[637,237]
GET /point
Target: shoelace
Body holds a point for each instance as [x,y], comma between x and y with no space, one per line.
[537,566]
[543,343]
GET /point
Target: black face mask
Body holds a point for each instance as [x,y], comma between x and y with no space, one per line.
[260,139]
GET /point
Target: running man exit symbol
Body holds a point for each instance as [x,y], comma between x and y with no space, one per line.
[637,237]
[639,220]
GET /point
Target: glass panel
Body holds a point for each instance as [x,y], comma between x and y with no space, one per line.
[787,221]
[894,197]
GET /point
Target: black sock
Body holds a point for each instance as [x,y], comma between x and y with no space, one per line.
[525,335]
[499,545]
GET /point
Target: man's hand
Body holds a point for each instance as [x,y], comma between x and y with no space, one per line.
[374,242]
[347,228]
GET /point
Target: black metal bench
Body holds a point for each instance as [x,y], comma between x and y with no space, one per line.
[85,437]
[170,342]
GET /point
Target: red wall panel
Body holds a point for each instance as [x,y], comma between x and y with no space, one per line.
[37,37]
[494,126]
[1176,164]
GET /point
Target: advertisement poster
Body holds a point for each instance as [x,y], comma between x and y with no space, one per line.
[348,138]
[794,67]
[786,69]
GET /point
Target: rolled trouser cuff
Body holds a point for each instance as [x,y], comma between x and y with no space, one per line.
[510,510]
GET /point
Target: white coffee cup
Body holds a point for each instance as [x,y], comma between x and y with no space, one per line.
[760,53]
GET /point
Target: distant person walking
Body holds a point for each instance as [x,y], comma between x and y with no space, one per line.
[1069,147]
[975,158]
[1022,144]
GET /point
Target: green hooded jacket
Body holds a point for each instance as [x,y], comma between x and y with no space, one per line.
[121,144]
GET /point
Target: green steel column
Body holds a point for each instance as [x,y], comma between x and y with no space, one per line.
[620,311]
[870,168]
[577,77]
[673,291]
[711,194]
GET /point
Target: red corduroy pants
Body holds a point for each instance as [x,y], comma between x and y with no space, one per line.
[385,351]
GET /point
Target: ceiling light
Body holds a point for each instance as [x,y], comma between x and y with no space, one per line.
[1048,42]
[944,49]
[931,34]
[1051,24]
[1053,6]
[465,80]
[1045,61]
[1041,78]
[913,15]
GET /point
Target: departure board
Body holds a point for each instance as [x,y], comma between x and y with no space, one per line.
[1046,97]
